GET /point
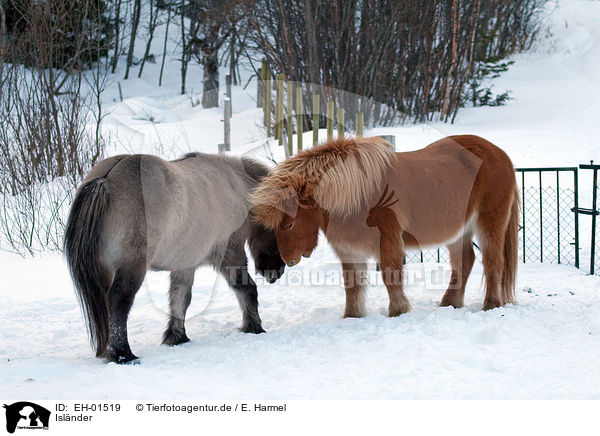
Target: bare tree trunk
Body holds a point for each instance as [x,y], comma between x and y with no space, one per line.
[429,41]
[311,41]
[2,46]
[453,62]
[117,35]
[210,91]
[164,55]
[137,6]
[471,49]
[154,11]
[232,57]
[184,54]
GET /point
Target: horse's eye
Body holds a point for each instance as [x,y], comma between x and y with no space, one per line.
[288,226]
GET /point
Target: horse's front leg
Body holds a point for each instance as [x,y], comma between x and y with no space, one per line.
[355,282]
[391,271]
[234,268]
[180,296]
[247,294]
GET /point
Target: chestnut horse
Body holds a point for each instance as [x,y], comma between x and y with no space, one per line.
[372,202]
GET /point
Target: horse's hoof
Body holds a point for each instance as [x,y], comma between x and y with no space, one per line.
[255,329]
[399,309]
[175,337]
[491,305]
[121,357]
[352,315]
[448,302]
[124,360]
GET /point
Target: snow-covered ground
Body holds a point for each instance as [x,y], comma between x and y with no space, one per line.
[547,346]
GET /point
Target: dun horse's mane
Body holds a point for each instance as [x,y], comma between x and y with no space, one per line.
[340,175]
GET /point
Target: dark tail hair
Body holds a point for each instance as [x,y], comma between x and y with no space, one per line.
[254,169]
[82,234]
[511,249]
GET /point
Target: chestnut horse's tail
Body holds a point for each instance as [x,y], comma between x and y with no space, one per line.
[511,252]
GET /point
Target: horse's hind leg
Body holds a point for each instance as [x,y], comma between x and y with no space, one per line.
[125,284]
[491,234]
[462,258]
[234,268]
[180,296]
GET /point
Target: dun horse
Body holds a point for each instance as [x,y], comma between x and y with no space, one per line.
[372,202]
[134,213]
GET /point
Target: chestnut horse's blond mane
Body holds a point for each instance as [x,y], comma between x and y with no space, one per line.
[340,175]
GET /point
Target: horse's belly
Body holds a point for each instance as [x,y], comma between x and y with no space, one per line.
[190,241]
[438,232]
[179,253]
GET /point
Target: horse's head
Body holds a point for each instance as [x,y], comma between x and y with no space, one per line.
[294,217]
[263,246]
[298,233]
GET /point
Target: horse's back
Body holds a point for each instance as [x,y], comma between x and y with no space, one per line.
[172,213]
[207,206]
[463,157]
[473,151]
[444,185]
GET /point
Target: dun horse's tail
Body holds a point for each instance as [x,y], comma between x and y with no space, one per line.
[511,249]
[81,249]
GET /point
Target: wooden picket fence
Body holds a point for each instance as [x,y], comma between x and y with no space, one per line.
[284,112]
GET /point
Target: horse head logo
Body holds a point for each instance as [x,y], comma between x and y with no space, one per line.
[26,415]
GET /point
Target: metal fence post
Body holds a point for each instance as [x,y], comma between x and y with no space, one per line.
[227,124]
[316,115]
[267,99]
[541,219]
[558,214]
[576,181]
[260,82]
[523,211]
[299,117]
[594,212]
[228,87]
